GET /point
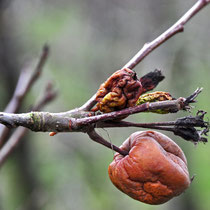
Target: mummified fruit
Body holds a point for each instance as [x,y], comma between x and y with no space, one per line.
[154,97]
[121,90]
[154,171]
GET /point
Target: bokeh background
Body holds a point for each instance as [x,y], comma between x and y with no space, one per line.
[89,40]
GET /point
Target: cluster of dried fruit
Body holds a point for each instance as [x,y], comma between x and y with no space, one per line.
[155,169]
[123,89]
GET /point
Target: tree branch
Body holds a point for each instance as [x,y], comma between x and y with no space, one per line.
[81,122]
[16,137]
[150,46]
[172,106]
[24,84]
[173,30]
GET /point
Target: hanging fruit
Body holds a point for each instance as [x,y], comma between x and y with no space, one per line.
[154,171]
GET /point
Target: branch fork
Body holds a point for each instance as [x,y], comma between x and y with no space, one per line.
[57,122]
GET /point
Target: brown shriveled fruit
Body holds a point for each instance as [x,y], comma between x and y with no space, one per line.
[154,171]
[121,90]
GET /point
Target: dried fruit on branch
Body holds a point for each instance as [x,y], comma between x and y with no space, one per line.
[154,171]
[151,80]
[119,91]
[154,97]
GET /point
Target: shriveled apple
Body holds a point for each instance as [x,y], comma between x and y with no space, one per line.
[154,171]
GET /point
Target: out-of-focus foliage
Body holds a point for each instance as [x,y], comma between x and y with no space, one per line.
[89,41]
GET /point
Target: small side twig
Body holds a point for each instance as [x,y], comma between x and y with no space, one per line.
[173,106]
[97,138]
[16,137]
[184,127]
[25,83]
[89,104]
[191,98]
[173,30]
[23,86]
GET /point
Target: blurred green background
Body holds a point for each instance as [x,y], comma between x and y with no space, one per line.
[89,40]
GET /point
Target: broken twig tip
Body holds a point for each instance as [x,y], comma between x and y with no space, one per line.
[46,48]
[191,98]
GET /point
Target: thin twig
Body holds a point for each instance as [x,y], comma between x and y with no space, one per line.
[24,84]
[89,104]
[150,46]
[184,127]
[16,137]
[173,105]
[97,138]
[173,30]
